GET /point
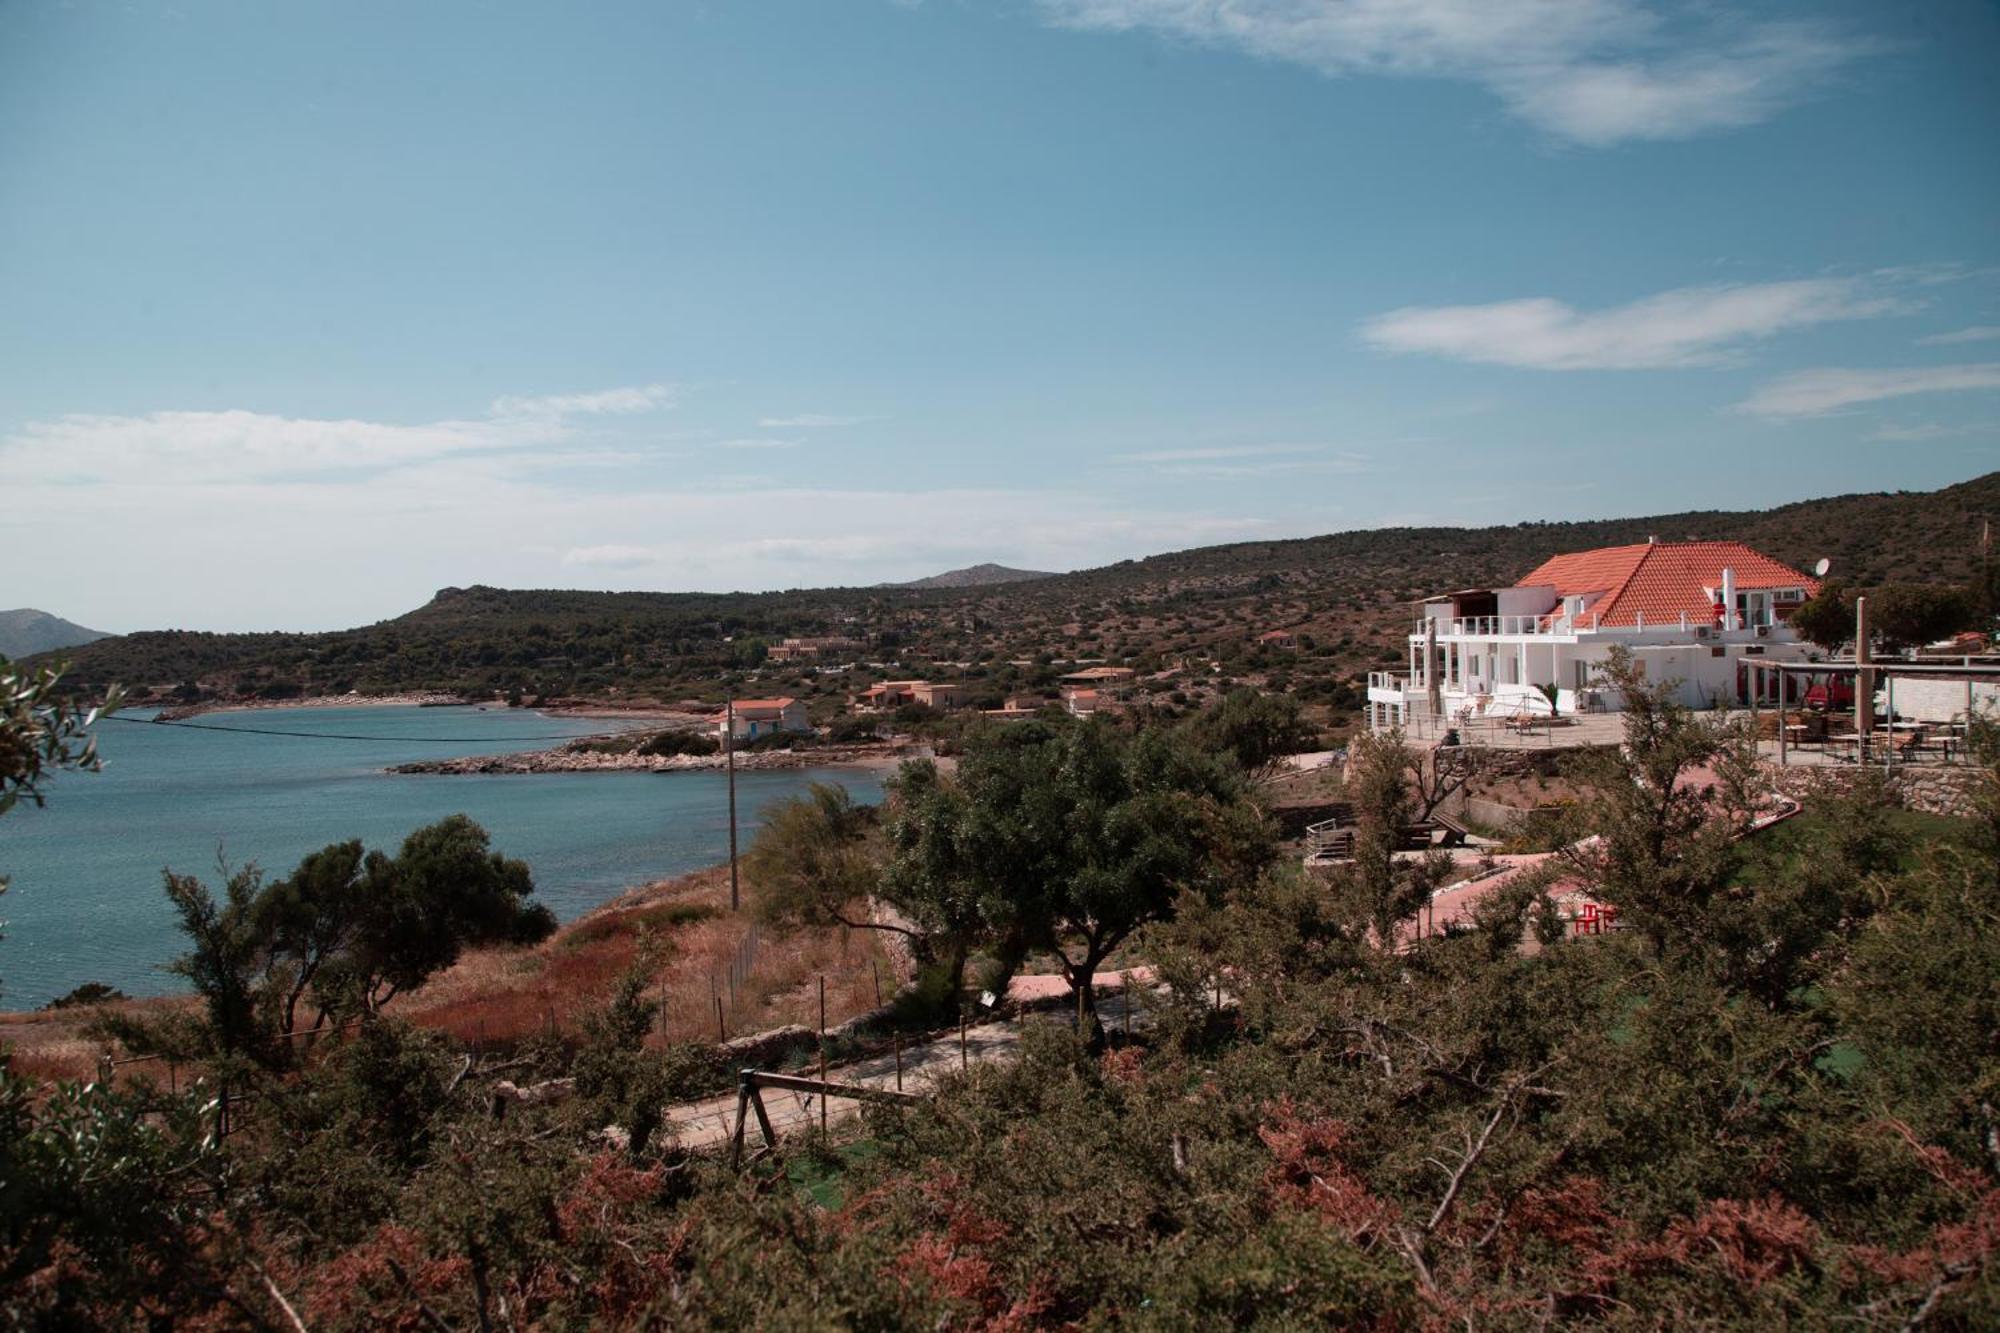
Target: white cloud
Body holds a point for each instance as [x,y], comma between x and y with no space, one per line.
[1593,72]
[1689,326]
[757,444]
[251,520]
[180,448]
[1224,462]
[1978,333]
[183,447]
[808,421]
[1214,454]
[610,557]
[1816,393]
[643,398]
[1923,430]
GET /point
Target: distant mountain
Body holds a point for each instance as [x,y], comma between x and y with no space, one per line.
[976,576]
[28,631]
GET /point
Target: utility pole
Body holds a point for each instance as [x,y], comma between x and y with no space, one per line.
[729,750]
[1864,679]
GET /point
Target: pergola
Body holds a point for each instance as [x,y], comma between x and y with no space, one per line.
[1865,674]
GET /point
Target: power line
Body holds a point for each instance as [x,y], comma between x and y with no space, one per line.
[339,736]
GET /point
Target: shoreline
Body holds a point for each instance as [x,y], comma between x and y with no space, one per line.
[885,758]
[585,710]
[412,699]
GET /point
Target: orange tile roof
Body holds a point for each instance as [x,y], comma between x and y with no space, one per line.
[1661,580]
[744,706]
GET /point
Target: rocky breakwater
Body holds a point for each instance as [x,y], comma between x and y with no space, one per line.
[580,758]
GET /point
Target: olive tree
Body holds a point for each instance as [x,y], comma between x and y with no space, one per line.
[1072,839]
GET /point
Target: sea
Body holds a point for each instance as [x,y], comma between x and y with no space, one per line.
[86,902]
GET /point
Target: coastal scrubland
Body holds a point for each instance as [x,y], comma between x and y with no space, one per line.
[1766,1100]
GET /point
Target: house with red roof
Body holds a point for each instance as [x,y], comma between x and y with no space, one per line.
[761,717]
[1689,612]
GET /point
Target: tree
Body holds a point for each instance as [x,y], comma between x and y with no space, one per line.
[346,929]
[41,732]
[1253,728]
[445,891]
[1906,615]
[1071,840]
[813,861]
[1378,889]
[1900,615]
[1649,835]
[932,877]
[1825,620]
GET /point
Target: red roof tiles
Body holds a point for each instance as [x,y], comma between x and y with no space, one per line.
[1661,580]
[763,707]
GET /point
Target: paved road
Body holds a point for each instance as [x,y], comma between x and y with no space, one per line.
[710,1122]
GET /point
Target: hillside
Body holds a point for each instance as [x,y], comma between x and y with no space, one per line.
[976,576]
[26,631]
[1346,596]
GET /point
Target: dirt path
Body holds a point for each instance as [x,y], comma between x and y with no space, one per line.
[710,1122]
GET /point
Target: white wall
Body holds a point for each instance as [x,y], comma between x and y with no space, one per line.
[1940,700]
[1533,600]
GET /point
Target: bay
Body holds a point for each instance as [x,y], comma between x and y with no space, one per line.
[86,902]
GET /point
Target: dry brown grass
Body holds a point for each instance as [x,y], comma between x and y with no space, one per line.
[51,1044]
[504,996]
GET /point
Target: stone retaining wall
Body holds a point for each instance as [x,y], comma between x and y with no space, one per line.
[1931,790]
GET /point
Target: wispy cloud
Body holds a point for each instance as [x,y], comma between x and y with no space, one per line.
[1922,430]
[1592,72]
[189,447]
[643,398]
[1688,326]
[1978,333]
[1213,454]
[1817,393]
[759,443]
[492,500]
[610,557]
[808,421]
[1224,462]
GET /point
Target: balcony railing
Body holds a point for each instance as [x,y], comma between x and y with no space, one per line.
[1475,626]
[1478,627]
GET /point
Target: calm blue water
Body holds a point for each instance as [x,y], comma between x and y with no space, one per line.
[86,903]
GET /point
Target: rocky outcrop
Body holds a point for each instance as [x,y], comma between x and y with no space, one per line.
[565,759]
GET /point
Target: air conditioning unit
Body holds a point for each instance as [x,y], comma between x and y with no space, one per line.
[1701,631]
[1763,631]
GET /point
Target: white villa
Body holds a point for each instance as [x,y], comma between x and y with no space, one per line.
[1688,611]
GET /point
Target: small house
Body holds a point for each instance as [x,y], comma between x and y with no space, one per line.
[762,717]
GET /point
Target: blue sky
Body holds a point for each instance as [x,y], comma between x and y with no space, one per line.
[309,309]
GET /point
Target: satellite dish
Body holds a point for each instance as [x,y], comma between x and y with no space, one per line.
[1819,570]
